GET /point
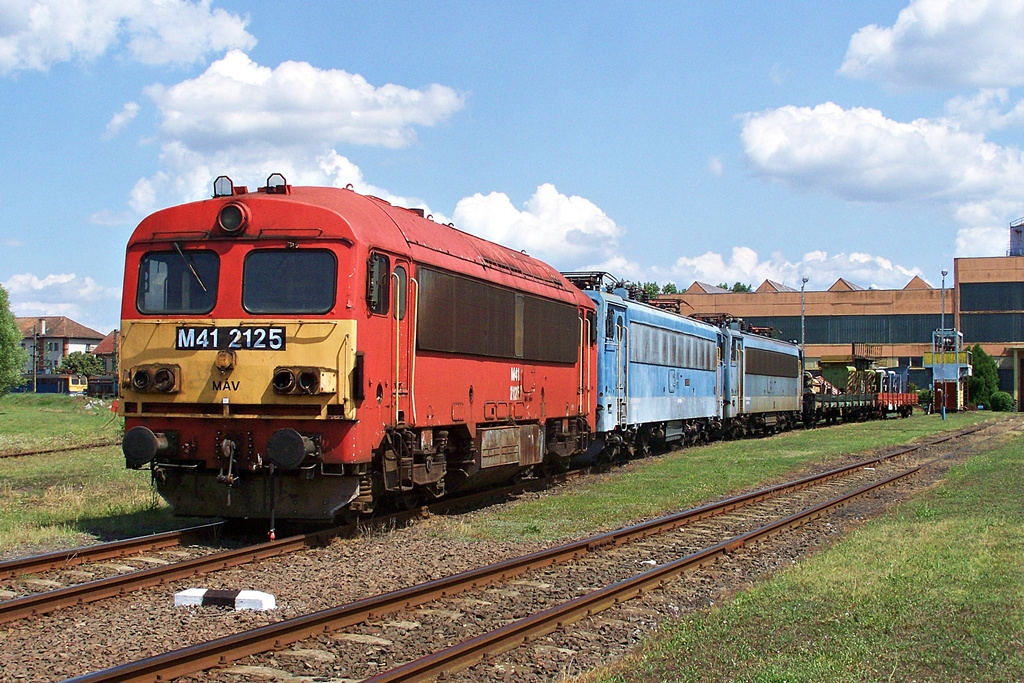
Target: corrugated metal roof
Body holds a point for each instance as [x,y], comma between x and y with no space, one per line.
[57,326]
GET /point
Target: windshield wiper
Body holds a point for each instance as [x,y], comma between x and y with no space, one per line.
[192,268]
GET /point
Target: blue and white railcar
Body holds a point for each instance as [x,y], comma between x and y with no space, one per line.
[658,378]
[762,383]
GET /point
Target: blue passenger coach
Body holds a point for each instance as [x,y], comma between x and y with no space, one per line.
[658,378]
[761,387]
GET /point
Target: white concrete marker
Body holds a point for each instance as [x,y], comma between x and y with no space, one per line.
[204,597]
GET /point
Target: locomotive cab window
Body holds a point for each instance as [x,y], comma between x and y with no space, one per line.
[400,284]
[289,281]
[378,276]
[179,281]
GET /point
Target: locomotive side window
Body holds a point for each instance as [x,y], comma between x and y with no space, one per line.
[289,281]
[378,283]
[400,284]
[180,281]
[609,325]
[657,346]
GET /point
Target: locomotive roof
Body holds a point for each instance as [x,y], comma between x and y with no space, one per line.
[341,214]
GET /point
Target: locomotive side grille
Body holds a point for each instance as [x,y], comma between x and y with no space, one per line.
[772,363]
[226,409]
[460,315]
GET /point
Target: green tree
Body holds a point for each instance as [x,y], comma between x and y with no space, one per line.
[737,287]
[13,358]
[81,363]
[651,289]
[669,288]
[984,377]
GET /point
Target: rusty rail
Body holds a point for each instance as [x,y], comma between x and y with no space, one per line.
[62,449]
[512,635]
[230,648]
[92,591]
[61,559]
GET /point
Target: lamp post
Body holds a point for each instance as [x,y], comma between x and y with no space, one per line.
[943,311]
[803,331]
[942,337]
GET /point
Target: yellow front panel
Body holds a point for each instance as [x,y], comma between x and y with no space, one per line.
[329,345]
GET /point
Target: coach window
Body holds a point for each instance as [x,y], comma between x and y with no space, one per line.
[179,281]
[378,276]
[289,281]
[400,283]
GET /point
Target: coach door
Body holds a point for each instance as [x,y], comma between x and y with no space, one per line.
[621,340]
[739,372]
[403,290]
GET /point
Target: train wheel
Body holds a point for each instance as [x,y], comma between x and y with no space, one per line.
[407,500]
[555,464]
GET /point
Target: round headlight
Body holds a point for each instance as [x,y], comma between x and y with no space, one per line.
[233,218]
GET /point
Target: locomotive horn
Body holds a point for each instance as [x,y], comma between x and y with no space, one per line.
[286,448]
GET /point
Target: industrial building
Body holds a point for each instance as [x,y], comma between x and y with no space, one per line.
[984,299]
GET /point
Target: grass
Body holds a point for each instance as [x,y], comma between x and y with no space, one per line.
[66,499]
[684,478]
[31,422]
[929,592]
[72,498]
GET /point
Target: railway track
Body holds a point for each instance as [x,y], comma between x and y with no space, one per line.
[367,612]
[127,578]
[130,579]
[62,449]
[74,557]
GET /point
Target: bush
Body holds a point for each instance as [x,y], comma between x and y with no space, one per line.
[924,397]
[1001,402]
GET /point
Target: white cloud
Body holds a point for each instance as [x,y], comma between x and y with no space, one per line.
[715,166]
[745,265]
[943,43]
[284,120]
[860,154]
[81,298]
[982,241]
[988,109]
[113,219]
[121,119]
[12,243]
[294,104]
[822,270]
[35,34]
[550,227]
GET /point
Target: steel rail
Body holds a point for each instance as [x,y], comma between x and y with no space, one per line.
[92,591]
[230,648]
[513,635]
[61,559]
[62,449]
[101,589]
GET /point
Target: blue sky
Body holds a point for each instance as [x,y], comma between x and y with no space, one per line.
[667,141]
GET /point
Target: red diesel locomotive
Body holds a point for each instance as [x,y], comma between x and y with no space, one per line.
[306,352]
